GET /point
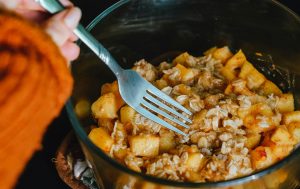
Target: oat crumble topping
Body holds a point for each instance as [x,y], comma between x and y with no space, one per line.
[235,118]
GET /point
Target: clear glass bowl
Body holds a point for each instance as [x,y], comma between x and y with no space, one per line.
[160,29]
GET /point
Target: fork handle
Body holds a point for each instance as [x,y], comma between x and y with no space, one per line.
[53,6]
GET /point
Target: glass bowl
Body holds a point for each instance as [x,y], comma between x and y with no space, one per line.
[159,30]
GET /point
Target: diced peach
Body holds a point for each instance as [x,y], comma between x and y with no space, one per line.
[185,73]
[181,59]
[105,106]
[101,138]
[268,87]
[144,145]
[198,118]
[166,141]
[228,90]
[126,114]
[285,103]
[222,54]
[261,157]
[113,88]
[291,117]
[267,139]
[106,123]
[110,88]
[246,69]
[279,141]
[281,136]
[194,176]
[195,161]
[236,60]
[262,124]
[210,51]
[281,151]
[253,140]
[255,79]
[294,130]
[161,83]
[120,153]
[229,71]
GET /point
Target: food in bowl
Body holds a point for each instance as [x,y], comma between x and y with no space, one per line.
[242,122]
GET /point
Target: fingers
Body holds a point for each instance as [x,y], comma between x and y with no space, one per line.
[60,27]
[66,3]
[70,51]
[34,5]
[28,4]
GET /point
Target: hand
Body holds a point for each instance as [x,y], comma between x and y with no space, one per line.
[58,26]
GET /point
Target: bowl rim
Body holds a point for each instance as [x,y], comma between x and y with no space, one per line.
[80,132]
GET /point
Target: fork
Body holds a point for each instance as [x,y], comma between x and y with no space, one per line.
[138,93]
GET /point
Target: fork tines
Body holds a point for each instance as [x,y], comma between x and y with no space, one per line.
[162,104]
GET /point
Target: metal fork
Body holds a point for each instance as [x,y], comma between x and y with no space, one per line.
[138,93]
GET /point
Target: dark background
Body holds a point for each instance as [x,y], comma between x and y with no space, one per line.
[40,171]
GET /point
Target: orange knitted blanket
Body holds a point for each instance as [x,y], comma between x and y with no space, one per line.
[34,85]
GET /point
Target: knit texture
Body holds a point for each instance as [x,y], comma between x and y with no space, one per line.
[34,85]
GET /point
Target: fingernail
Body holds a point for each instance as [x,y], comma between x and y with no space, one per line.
[72,17]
